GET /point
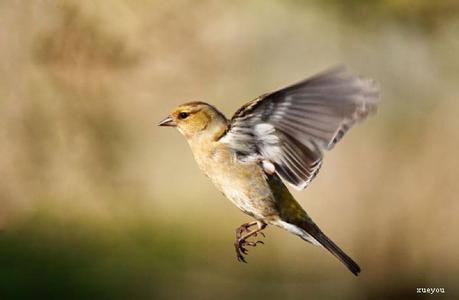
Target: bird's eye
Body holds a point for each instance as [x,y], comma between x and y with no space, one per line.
[183,115]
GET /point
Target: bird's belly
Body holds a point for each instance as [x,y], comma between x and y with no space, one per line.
[252,207]
[245,186]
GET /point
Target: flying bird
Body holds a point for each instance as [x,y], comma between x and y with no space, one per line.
[278,137]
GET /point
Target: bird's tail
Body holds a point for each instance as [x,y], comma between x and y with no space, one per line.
[310,232]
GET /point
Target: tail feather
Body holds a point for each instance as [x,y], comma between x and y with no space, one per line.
[313,230]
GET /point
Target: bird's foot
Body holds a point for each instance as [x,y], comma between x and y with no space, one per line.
[242,234]
[241,250]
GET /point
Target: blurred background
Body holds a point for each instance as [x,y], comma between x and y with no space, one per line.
[97,202]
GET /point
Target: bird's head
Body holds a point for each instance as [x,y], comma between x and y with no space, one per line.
[195,119]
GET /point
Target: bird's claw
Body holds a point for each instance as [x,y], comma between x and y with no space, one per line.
[254,244]
[242,234]
[259,233]
[241,249]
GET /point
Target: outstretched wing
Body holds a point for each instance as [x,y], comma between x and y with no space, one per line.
[288,129]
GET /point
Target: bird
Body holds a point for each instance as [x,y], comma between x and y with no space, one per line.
[278,137]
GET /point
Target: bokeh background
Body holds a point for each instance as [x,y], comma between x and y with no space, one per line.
[97,202]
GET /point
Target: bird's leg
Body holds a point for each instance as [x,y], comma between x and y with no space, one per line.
[244,228]
[241,238]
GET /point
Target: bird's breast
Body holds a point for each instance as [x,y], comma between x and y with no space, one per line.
[244,183]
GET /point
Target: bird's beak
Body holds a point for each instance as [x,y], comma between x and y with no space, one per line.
[167,121]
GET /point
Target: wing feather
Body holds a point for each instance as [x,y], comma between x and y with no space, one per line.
[290,128]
